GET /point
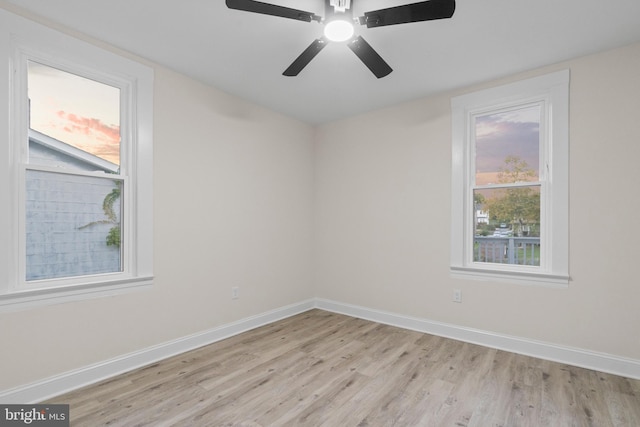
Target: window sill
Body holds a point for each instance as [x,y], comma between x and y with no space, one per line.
[23,300]
[517,277]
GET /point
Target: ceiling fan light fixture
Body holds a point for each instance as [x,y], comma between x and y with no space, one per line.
[338,30]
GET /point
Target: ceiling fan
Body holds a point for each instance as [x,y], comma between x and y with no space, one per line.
[338,26]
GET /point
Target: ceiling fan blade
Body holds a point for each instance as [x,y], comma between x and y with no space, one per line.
[415,12]
[306,57]
[272,9]
[369,57]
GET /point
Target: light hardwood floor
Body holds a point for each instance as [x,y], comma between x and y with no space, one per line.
[325,369]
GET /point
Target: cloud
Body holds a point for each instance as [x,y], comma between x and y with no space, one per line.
[88,126]
[512,133]
[91,135]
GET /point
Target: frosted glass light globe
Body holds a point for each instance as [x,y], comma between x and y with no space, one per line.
[338,31]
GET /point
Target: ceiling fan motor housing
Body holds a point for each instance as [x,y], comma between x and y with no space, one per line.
[340,5]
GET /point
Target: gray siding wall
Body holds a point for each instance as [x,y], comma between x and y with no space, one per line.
[66,226]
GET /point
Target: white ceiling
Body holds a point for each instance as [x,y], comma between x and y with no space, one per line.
[245,54]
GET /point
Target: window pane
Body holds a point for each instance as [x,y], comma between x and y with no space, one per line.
[72,225]
[507,146]
[74,121]
[507,225]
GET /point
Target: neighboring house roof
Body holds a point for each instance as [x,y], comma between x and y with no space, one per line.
[71,151]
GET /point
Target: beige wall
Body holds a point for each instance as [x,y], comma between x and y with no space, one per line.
[383,204]
[233,207]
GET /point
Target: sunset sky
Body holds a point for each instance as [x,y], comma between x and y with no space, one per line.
[75,110]
[515,132]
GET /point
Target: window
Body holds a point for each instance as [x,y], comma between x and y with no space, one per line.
[73,186]
[510,182]
[77,215]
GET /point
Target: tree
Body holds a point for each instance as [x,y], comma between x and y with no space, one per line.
[519,206]
[114,234]
[480,227]
[515,170]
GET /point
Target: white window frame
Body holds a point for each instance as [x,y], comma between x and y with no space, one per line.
[24,40]
[552,91]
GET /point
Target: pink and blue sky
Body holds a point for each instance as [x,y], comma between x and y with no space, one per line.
[75,110]
[510,133]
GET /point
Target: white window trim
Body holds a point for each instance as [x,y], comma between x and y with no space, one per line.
[23,39]
[553,90]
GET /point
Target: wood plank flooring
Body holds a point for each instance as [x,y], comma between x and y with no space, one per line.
[325,369]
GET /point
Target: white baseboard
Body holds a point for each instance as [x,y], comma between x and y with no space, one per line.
[59,384]
[68,381]
[572,356]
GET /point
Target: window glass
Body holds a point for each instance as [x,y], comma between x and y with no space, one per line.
[72,220]
[507,146]
[81,115]
[506,219]
[72,225]
[507,225]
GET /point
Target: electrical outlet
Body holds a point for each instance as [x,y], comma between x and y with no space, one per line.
[235,292]
[457,295]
